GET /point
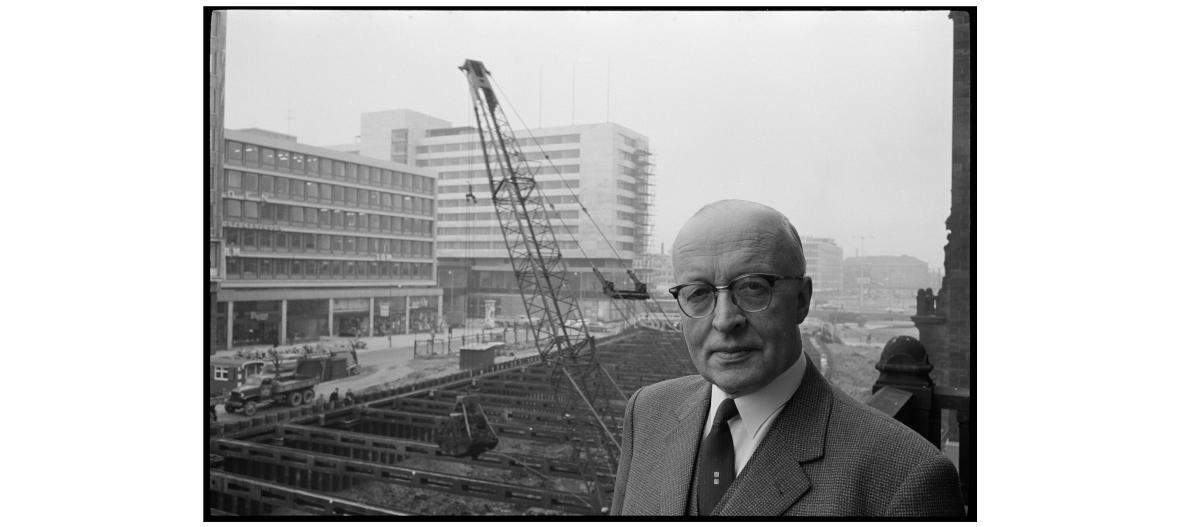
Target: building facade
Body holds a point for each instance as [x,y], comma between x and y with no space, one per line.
[893,280]
[603,167]
[320,243]
[823,263]
[216,141]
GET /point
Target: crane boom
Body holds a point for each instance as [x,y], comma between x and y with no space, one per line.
[591,400]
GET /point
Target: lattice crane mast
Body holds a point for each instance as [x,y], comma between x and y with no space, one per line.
[591,399]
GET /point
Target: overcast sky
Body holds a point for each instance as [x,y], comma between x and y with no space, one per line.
[841,120]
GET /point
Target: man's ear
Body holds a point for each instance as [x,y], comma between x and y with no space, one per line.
[805,298]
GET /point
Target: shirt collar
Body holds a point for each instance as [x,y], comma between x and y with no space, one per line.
[755,408]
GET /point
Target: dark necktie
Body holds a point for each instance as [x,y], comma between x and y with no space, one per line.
[716,460]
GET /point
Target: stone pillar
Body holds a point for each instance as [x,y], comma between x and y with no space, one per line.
[439,317]
[946,333]
[904,364]
[371,316]
[229,325]
[283,322]
[331,333]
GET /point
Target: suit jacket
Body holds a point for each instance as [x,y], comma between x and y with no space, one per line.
[825,455]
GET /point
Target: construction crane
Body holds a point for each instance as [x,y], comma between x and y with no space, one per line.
[591,402]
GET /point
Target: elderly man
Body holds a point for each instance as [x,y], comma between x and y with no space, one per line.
[759,431]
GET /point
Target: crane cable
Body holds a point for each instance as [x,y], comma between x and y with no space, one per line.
[573,196]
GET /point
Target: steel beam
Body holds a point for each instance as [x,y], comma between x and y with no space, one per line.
[276,495]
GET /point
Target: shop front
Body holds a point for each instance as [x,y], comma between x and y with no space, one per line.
[422,313]
[389,315]
[256,322]
[350,316]
[308,320]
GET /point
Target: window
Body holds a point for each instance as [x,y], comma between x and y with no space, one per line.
[281,242]
[386,201]
[233,207]
[250,182]
[297,269]
[373,245]
[250,155]
[339,169]
[408,204]
[323,242]
[325,218]
[233,268]
[339,219]
[349,245]
[266,241]
[352,172]
[407,182]
[250,210]
[373,269]
[310,215]
[375,175]
[297,190]
[362,246]
[281,186]
[297,163]
[266,184]
[233,151]
[323,271]
[374,222]
[310,242]
[312,190]
[297,215]
[221,373]
[351,220]
[326,191]
[362,221]
[361,269]
[336,243]
[283,161]
[326,167]
[233,179]
[268,158]
[281,212]
[337,270]
[250,268]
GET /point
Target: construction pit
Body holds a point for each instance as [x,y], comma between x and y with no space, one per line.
[381,456]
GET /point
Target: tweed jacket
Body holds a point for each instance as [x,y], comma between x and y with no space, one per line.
[825,455]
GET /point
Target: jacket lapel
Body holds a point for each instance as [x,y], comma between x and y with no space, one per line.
[774,478]
[681,445]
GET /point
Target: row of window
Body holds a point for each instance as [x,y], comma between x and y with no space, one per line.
[482,189]
[251,155]
[483,246]
[299,242]
[322,218]
[525,141]
[555,200]
[638,173]
[491,216]
[296,269]
[634,157]
[471,231]
[301,190]
[482,173]
[472,160]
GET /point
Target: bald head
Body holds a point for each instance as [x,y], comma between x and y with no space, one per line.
[728,224]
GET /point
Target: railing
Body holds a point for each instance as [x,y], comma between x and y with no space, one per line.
[906,392]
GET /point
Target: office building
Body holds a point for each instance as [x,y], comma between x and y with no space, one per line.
[823,263]
[320,243]
[901,275]
[604,167]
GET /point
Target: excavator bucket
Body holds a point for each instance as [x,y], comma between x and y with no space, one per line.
[466,431]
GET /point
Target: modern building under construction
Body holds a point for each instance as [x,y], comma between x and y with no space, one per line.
[603,170]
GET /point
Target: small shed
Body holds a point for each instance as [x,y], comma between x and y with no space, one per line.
[475,356]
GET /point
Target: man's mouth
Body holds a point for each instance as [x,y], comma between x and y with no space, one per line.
[732,354]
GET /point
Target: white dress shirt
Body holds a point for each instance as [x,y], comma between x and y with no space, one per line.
[756,412]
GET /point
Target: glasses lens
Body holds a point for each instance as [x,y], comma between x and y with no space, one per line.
[696,300]
[753,293]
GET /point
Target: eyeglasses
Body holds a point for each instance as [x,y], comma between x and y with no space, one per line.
[751,292]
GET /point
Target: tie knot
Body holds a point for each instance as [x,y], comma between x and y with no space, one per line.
[725,412]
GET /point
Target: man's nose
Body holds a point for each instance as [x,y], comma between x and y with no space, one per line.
[727,316]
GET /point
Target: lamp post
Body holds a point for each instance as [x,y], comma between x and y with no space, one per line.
[451,273]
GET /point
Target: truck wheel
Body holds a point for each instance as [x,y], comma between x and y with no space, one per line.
[309,395]
[295,398]
[249,408]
